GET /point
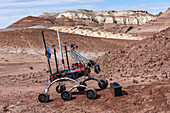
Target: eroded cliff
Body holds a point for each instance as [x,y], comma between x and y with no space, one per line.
[118,17]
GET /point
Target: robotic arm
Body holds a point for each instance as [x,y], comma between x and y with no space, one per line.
[79,58]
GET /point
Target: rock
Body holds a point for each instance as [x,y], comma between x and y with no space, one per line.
[31,68]
[110,20]
[14,108]
[119,17]
[6,60]
[135,81]
[100,19]
[95,33]
[142,81]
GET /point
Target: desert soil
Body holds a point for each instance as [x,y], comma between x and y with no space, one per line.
[141,67]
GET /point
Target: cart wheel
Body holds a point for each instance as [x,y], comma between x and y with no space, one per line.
[97,69]
[91,94]
[66,95]
[60,89]
[43,97]
[82,88]
[104,84]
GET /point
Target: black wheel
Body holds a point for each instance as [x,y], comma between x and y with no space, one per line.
[97,69]
[104,84]
[91,94]
[60,88]
[43,97]
[66,95]
[82,88]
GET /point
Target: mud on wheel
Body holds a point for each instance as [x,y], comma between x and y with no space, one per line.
[82,88]
[91,94]
[104,84]
[43,97]
[60,88]
[66,95]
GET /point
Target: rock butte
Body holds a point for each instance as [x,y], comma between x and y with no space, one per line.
[133,25]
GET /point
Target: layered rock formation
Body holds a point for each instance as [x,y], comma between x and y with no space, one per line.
[99,23]
[31,21]
[160,23]
[118,17]
[96,32]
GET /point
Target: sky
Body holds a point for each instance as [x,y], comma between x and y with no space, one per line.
[13,10]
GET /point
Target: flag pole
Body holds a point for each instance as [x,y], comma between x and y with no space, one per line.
[46,52]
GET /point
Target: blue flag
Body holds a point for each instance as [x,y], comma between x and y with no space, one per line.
[48,53]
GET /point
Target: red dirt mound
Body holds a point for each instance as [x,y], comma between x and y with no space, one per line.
[147,58]
[64,21]
[32,38]
[31,21]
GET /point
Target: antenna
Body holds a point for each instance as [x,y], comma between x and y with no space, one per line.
[67,55]
[55,58]
[62,59]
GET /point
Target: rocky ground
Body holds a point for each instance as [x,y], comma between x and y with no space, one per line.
[19,94]
[141,67]
[32,39]
[145,59]
[97,32]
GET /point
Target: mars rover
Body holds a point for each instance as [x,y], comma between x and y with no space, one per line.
[81,67]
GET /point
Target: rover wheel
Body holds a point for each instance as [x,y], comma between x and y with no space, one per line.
[104,84]
[43,97]
[91,94]
[60,88]
[66,95]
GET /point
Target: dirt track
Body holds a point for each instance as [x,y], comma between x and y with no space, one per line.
[20,85]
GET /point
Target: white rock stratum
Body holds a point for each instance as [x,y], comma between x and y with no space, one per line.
[119,17]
